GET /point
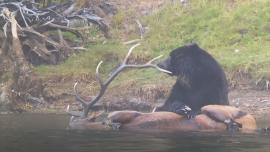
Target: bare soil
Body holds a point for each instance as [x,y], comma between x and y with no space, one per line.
[255,102]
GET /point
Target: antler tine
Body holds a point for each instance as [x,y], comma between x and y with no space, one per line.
[73,113]
[149,64]
[157,67]
[129,52]
[79,99]
[162,70]
[85,104]
[97,74]
[154,59]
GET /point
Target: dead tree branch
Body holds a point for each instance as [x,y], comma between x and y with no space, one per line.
[45,24]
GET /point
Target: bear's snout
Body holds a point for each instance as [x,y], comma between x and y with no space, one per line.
[165,64]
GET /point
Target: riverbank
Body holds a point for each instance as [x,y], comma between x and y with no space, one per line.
[236,33]
[60,92]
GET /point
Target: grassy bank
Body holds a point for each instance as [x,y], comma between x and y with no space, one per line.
[237,34]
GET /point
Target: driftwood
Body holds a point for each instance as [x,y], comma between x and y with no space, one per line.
[14,65]
[35,33]
[41,28]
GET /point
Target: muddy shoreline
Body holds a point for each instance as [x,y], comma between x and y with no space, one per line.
[253,101]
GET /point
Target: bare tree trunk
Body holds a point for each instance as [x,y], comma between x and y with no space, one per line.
[4,83]
[5,78]
[15,72]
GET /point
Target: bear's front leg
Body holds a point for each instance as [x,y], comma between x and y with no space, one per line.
[182,109]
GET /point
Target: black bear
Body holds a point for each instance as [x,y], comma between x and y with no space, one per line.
[200,81]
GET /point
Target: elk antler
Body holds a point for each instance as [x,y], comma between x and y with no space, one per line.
[103,85]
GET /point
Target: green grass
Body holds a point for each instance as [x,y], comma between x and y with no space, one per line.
[219,28]
[236,35]
[85,61]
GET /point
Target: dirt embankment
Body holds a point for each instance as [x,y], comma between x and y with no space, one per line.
[256,102]
[60,94]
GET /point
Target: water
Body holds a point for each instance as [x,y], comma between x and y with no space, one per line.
[47,133]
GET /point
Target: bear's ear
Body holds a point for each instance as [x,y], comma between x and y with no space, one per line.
[192,45]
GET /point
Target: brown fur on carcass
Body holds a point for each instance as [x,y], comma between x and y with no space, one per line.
[210,119]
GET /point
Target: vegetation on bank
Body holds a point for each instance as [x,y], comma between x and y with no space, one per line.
[236,33]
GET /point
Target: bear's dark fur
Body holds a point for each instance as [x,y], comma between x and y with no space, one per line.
[200,80]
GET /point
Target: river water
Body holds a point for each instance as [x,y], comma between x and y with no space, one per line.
[48,133]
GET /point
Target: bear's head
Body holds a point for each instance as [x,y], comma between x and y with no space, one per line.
[181,60]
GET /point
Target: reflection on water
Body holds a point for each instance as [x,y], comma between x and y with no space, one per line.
[47,133]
